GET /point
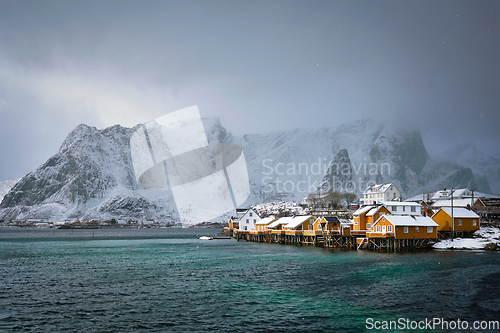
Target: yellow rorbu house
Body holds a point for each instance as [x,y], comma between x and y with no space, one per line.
[276,227]
[296,227]
[262,225]
[364,217]
[373,215]
[326,224]
[400,232]
[403,227]
[426,209]
[298,224]
[360,219]
[466,221]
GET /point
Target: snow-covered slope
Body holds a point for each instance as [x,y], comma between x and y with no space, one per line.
[5,187]
[486,168]
[92,177]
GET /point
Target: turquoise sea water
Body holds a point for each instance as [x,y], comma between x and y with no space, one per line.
[128,280]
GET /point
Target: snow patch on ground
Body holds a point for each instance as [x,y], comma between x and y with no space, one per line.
[482,237]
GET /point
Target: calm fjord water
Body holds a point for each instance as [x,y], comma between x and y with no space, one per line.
[127,280]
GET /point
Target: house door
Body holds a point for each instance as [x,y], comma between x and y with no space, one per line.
[383,228]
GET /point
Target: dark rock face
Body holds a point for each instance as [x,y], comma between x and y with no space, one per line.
[410,152]
[339,174]
[462,178]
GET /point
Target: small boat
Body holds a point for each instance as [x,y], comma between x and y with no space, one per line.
[205,237]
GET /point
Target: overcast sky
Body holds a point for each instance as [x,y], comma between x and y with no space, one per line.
[257,65]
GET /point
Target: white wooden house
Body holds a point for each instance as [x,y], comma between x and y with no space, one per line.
[380,192]
[248,221]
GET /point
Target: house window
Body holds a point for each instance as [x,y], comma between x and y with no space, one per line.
[416,228]
[394,195]
[247,221]
[394,208]
[254,221]
[459,222]
[389,228]
[474,222]
[250,214]
[368,226]
[406,230]
[378,228]
[404,208]
[413,209]
[429,230]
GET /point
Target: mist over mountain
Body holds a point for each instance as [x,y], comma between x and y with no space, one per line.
[92,177]
[485,168]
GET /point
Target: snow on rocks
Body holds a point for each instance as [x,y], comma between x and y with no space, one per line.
[276,208]
[484,238]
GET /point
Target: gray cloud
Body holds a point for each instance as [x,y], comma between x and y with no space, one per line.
[259,66]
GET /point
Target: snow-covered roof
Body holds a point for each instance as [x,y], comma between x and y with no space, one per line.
[373,211]
[379,188]
[362,210]
[444,195]
[460,192]
[281,220]
[456,202]
[409,221]
[416,198]
[460,212]
[296,221]
[266,220]
[240,213]
[400,203]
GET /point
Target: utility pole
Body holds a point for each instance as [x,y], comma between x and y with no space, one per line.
[452,220]
[472,201]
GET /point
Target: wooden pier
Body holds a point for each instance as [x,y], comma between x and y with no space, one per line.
[394,245]
[327,240]
[333,240]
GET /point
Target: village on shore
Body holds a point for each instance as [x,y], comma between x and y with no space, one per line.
[382,221]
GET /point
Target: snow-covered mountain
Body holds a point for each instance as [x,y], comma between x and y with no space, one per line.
[89,178]
[289,165]
[485,168]
[5,187]
[92,177]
